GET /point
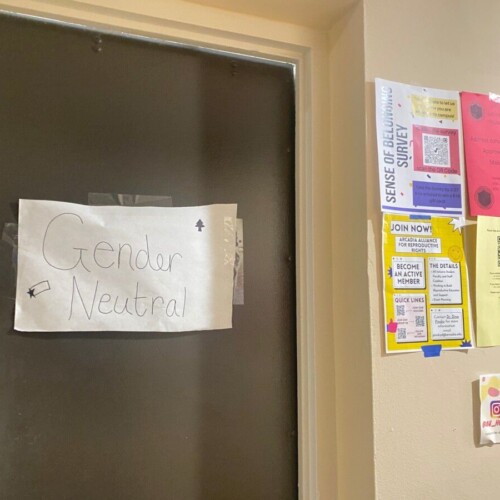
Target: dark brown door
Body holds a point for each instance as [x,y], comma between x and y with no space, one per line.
[199,415]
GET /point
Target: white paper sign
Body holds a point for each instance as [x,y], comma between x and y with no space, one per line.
[83,268]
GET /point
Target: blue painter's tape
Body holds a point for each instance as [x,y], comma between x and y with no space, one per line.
[432,351]
[420,217]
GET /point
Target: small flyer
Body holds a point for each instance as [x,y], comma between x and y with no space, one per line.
[419,139]
[488,281]
[481,122]
[426,290]
[489,393]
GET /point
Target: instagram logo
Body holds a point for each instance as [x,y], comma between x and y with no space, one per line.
[495,409]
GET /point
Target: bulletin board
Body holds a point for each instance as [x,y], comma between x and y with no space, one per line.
[199,415]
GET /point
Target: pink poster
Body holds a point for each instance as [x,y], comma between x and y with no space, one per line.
[481,129]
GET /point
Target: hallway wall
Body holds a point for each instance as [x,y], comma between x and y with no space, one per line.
[426,410]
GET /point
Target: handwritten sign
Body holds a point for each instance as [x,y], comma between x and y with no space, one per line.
[109,268]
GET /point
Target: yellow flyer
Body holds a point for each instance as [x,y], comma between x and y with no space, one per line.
[426,290]
[488,281]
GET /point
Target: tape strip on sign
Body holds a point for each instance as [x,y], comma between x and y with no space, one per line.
[420,217]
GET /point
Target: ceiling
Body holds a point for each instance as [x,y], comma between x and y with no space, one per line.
[312,13]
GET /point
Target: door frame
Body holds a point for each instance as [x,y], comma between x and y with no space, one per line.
[180,22]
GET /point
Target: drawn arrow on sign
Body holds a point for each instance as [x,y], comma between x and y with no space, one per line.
[42,286]
[200,225]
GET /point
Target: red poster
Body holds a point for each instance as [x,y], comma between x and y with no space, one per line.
[481,128]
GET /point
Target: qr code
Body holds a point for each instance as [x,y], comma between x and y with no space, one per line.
[401,333]
[436,149]
[400,310]
[419,320]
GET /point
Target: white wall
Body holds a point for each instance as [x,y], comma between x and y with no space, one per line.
[353,372]
[425,410]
